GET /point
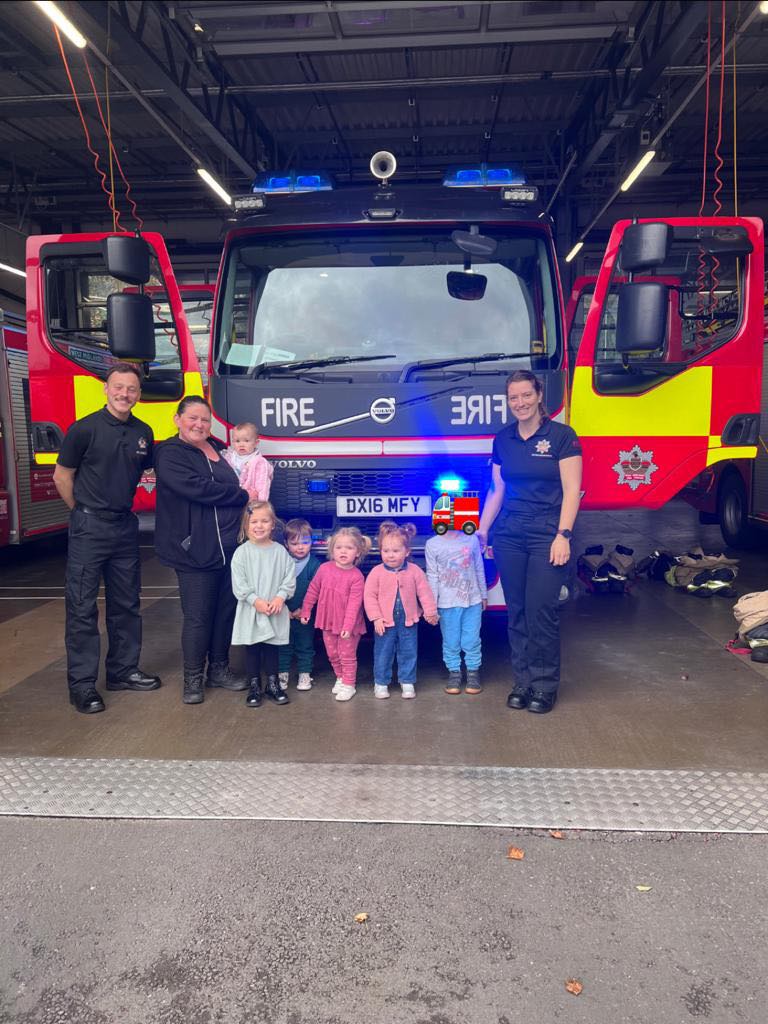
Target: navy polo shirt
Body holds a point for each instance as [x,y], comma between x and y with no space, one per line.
[530,468]
[109,455]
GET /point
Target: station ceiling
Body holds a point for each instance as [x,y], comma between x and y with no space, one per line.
[549,85]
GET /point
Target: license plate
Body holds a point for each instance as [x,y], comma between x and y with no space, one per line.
[383,505]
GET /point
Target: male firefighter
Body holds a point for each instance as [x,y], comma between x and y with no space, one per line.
[98,469]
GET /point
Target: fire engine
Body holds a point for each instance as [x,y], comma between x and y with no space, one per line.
[456,509]
[29,503]
[369,331]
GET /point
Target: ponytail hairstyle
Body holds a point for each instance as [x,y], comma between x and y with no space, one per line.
[404,531]
[526,377]
[363,544]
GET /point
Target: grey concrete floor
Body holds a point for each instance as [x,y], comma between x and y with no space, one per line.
[112,922]
[172,922]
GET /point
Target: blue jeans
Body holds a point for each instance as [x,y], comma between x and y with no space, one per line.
[461,632]
[400,640]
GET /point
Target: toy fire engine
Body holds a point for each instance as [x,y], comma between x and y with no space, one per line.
[458,511]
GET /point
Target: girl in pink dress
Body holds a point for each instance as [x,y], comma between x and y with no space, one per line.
[337,589]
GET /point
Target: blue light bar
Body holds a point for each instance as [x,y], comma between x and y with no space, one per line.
[483,176]
[449,484]
[291,181]
[318,486]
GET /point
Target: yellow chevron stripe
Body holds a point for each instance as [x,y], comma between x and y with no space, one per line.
[721,454]
[89,396]
[46,458]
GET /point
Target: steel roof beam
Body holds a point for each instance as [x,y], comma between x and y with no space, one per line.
[200,11]
[97,23]
[563,33]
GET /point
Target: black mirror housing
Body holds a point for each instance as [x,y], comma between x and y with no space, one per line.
[130,326]
[645,246]
[641,317]
[474,244]
[126,257]
[469,287]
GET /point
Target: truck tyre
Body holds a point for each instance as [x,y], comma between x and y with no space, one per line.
[441,528]
[732,513]
[469,528]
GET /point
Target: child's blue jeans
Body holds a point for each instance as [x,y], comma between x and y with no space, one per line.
[461,632]
[400,640]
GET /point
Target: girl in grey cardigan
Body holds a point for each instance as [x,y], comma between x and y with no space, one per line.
[263,578]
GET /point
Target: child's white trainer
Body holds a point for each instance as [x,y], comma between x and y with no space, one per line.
[380,691]
[345,692]
[305,681]
[408,691]
[283,677]
[337,686]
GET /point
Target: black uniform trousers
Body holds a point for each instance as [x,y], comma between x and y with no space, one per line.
[104,544]
[531,585]
[208,606]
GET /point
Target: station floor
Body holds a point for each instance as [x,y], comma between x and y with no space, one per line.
[647,683]
[174,865]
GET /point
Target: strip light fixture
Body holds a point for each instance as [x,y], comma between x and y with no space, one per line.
[13,270]
[61,21]
[638,169]
[574,252]
[211,182]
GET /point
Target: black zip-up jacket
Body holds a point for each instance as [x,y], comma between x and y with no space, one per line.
[188,532]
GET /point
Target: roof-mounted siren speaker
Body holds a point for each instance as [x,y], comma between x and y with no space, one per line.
[383,165]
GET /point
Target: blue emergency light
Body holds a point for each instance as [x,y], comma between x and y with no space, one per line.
[483,176]
[291,181]
[318,486]
[450,484]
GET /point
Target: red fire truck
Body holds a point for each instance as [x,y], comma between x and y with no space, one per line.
[369,331]
[29,442]
[459,510]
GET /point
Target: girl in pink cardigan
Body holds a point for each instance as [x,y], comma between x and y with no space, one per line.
[253,470]
[337,589]
[396,593]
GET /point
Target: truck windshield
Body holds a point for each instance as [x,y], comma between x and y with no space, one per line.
[316,295]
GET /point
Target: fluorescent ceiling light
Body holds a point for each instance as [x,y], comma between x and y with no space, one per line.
[574,252]
[764,6]
[13,270]
[638,169]
[211,182]
[60,20]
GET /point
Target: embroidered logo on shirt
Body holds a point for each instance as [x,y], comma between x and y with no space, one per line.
[542,447]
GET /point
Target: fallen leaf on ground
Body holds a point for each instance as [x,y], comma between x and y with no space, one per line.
[643,888]
[513,853]
[361,918]
[556,834]
[574,986]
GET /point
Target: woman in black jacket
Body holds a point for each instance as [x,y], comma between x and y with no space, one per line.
[199,507]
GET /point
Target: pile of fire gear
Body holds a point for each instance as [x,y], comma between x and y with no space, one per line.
[603,573]
[751,612]
[694,572]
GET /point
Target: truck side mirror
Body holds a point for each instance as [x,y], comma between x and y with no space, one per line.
[641,317]
[130,326]
[126,257]
[645,246]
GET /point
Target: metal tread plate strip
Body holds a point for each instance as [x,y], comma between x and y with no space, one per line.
[590,798]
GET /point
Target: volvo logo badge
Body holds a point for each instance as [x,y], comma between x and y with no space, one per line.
[383,410]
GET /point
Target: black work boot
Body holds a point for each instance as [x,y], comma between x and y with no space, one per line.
[193,686]
[220,674]
[253,700]
[273,691]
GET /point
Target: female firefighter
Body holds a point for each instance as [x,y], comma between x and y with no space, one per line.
[532,504]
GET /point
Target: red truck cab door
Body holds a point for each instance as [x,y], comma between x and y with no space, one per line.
[651,419]
[68,286]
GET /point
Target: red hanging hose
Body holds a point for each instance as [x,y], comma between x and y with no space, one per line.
[102,174]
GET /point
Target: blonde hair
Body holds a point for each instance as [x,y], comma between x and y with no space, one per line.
[363,544]
[250,508]
[404,531]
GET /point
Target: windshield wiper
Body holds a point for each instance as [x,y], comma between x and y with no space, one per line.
[439,364]
[307,363]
